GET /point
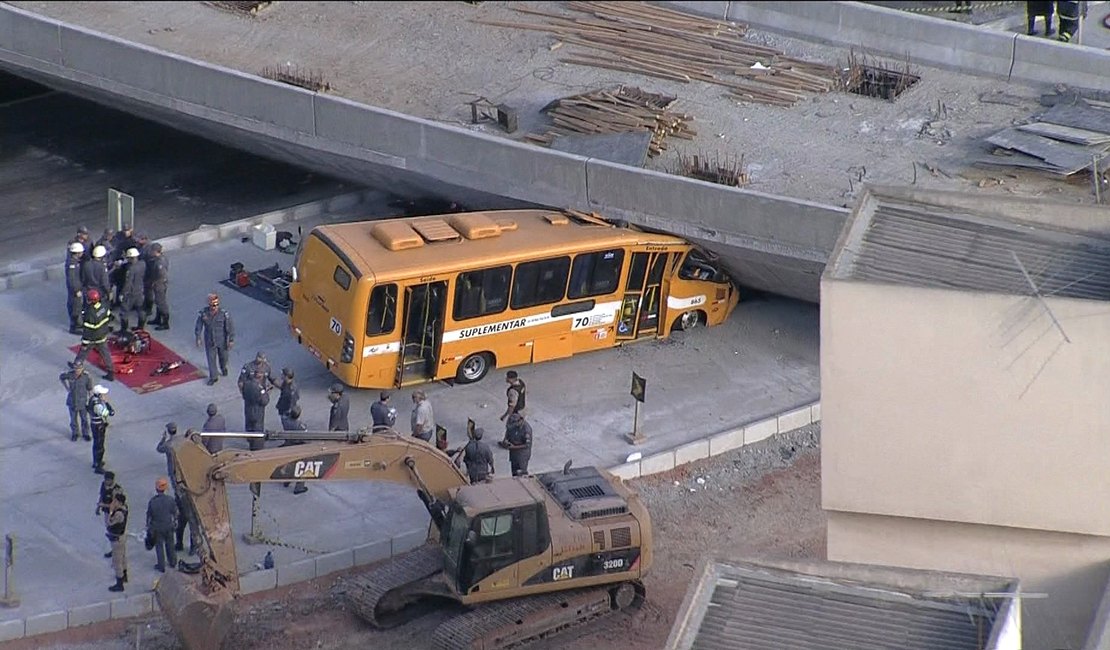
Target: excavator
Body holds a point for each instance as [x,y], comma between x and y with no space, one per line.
[527,556]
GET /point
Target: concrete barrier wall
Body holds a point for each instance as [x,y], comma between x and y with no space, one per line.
[923,39]
[149,81]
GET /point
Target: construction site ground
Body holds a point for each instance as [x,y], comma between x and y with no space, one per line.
[428,59]
[762,500]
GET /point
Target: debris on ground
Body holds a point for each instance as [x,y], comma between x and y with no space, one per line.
[1069,137]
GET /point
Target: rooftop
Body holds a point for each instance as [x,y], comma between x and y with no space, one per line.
[742,605]
[948,241]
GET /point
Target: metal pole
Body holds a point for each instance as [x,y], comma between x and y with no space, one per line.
[255,536]
[10,599]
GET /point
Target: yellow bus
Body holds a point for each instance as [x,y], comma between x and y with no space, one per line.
[403,301]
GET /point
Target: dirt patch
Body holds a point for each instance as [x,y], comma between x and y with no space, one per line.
[764,500]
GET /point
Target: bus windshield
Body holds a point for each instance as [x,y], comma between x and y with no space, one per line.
[702,265]
[454,539]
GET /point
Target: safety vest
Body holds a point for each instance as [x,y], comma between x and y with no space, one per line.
[117,525]
[520,388]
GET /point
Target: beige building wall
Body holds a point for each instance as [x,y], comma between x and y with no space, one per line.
[1071,569]
[962,431]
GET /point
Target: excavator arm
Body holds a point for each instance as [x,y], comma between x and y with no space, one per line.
[201,614]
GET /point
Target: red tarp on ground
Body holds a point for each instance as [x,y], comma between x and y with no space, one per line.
[141,377]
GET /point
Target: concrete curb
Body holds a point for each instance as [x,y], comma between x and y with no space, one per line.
[329,563]
[719,443]
[206,234]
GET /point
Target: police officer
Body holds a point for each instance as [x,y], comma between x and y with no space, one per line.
[255,399]
[518,440]
[259,363]
[382,413]
[81,237]
[515,395]
[291,421]
[340,407]
[131,292]
[161,519]
[73,286]
[117,535]
[215,422]
[108,489]
[163,447]
[95,327]
[78,388]
[99,411]
[117,258]
[477,456]
[215,328]
[94,271]
[290,395]
[155,286]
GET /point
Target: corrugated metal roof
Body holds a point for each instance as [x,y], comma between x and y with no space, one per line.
[753,612]
[926,246]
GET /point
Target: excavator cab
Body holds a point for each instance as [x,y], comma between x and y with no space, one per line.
[479,544]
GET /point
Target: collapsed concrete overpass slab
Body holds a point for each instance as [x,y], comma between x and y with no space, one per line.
[770,243]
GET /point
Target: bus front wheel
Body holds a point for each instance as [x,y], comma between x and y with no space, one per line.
[474,367]
[689,321]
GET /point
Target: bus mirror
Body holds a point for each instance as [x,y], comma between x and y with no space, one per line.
[293,273]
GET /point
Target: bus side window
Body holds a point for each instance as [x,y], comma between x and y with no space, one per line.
[381,315]
[539,283]
[478,293]
[595,274]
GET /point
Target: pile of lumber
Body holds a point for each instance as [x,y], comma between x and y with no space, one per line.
[659,42]
[617,110]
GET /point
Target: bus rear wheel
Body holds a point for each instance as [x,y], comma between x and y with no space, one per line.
[474,368]
[689,321]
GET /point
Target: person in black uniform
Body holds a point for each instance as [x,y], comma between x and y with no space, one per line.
[215,328]
[518,440]
[1069,19]
[108,489]
[131,292]
[477,456]
[94,272]
[291,421]
[255,399]
[78,389]
[340,406]
[95,327]
[1035,9]
[382,414]
[74,297]
[290,395]
[259,363]
[155,287]
[215,422]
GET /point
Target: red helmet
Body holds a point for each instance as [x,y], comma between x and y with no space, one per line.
[93,294]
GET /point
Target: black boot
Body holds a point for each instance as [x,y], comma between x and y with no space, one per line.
[125,575]
[163,322]
[108,554]
[118,586]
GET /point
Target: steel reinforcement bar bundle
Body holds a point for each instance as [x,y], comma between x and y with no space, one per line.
[661,43]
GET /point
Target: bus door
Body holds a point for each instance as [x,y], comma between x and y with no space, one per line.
[422,332]
[643,295]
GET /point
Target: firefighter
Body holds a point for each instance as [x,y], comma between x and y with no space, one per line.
[95,327]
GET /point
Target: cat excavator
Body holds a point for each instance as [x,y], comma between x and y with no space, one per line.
[528,556]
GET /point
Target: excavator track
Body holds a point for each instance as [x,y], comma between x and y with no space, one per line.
[519,621]
[380,597]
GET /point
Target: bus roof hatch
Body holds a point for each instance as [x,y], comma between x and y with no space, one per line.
[396,235]
[475,225]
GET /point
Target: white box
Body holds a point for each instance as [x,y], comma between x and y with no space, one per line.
[264,236]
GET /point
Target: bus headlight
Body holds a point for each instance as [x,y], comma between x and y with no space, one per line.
[347,355]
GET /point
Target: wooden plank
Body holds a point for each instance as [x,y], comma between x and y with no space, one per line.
[1066,133]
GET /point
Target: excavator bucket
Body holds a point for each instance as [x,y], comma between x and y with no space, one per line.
[200,622]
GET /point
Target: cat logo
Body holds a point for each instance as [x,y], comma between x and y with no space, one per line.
[307,468]
[562,573]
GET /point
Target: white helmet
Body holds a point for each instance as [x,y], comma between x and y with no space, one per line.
[99,251]
[100,389]
[77,247]
[132,252]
